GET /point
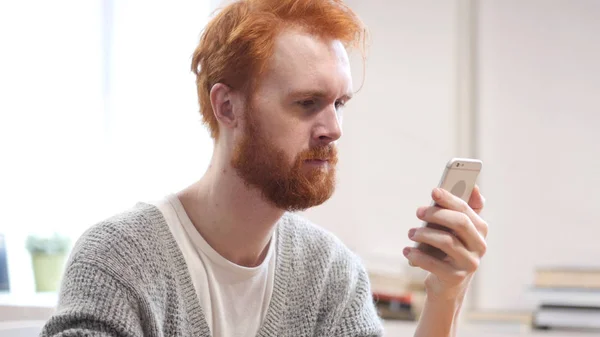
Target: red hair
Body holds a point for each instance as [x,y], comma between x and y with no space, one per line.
[236,45]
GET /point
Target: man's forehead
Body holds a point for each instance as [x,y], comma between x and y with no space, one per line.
[300,56]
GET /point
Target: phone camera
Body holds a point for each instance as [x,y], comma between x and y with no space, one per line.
[457,164]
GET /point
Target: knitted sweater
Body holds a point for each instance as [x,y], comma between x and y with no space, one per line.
[127,277]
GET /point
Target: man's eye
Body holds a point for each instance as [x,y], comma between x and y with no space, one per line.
[339,104]
[307,103]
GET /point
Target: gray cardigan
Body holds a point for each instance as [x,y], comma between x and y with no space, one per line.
[127,277]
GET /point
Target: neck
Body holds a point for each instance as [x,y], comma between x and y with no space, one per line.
[233,218]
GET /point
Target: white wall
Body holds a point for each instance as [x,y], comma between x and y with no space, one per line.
[538,97]
[539,67]
[399,130]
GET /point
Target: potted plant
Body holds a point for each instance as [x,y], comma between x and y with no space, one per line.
[48,254]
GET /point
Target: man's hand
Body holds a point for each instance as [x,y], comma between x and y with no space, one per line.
[449,279]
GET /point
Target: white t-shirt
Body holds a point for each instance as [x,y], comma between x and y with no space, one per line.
[234,298]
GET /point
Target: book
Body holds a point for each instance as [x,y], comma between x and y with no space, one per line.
[567,317]
[394,306]
[567,277]
[577,297]
[405,298]
[491,316]
[391,314]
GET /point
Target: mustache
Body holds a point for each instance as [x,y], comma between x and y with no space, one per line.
[326,152]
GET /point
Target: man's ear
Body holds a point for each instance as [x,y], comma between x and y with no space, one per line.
[221,99]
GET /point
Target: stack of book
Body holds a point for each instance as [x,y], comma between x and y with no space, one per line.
[566,297]
[397,307]
[391,297]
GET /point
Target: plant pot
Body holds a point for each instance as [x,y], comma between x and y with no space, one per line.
[47,270]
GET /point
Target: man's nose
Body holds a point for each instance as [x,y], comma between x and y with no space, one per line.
[329,128]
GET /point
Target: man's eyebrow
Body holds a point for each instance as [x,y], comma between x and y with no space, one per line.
[347,96]
[307,93]
[316,94]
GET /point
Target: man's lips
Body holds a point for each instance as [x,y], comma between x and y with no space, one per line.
[316,161]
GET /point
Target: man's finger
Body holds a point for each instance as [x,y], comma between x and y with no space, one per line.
[447,200]
[458,222]
[457,253]
[417,258]
[477,201]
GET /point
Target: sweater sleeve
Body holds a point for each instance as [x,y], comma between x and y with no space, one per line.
[359,317]
[93,302]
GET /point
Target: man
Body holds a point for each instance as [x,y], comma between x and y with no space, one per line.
[226,256]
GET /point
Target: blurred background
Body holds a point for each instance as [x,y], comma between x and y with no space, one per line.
[98,110]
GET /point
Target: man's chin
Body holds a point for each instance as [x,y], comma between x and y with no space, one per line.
[299,192]
[309,201]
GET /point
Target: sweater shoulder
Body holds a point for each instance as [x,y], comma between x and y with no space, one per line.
[304,230]
[124,240]
[329,280]
[312,242]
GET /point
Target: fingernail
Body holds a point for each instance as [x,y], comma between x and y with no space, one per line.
[421,212]
[405,251]
[411,232]
[437,193]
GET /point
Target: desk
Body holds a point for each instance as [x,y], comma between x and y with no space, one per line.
[21,328]
[407,329]
[27,307]
[392,329]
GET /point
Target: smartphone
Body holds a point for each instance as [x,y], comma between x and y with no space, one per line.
[459,178]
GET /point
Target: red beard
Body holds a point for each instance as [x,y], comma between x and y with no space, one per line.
[262,165]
